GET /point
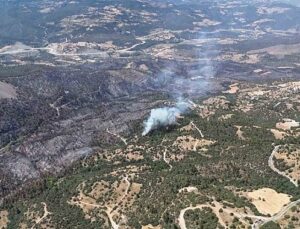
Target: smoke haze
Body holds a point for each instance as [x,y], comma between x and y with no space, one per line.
[195,81]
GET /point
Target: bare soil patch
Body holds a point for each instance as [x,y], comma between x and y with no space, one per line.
[3,219]
[151,227]
[188,143]
[233,89]
[268,201]
[240,133]
[279,134]
[225,117]
[287,124]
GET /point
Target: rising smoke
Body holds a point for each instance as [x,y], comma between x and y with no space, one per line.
[194,82]
[166,116]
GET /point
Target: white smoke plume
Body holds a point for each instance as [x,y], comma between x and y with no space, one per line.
[166,116]
[180,82]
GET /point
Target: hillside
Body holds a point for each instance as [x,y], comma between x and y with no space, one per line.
[149,114]
[210,169]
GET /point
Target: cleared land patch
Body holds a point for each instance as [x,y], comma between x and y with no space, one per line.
[3,219]
[268,201]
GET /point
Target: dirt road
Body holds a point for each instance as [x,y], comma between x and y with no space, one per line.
[46,213]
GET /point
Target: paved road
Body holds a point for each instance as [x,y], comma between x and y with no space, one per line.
[272,166]
[285,209]
[257,224]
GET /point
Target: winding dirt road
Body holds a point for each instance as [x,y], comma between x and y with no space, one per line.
[257,224]
[181,220]
[259,220]
[46,213]
[217,206]
[111,209]
[166,160]
[200,132]
[272,166]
